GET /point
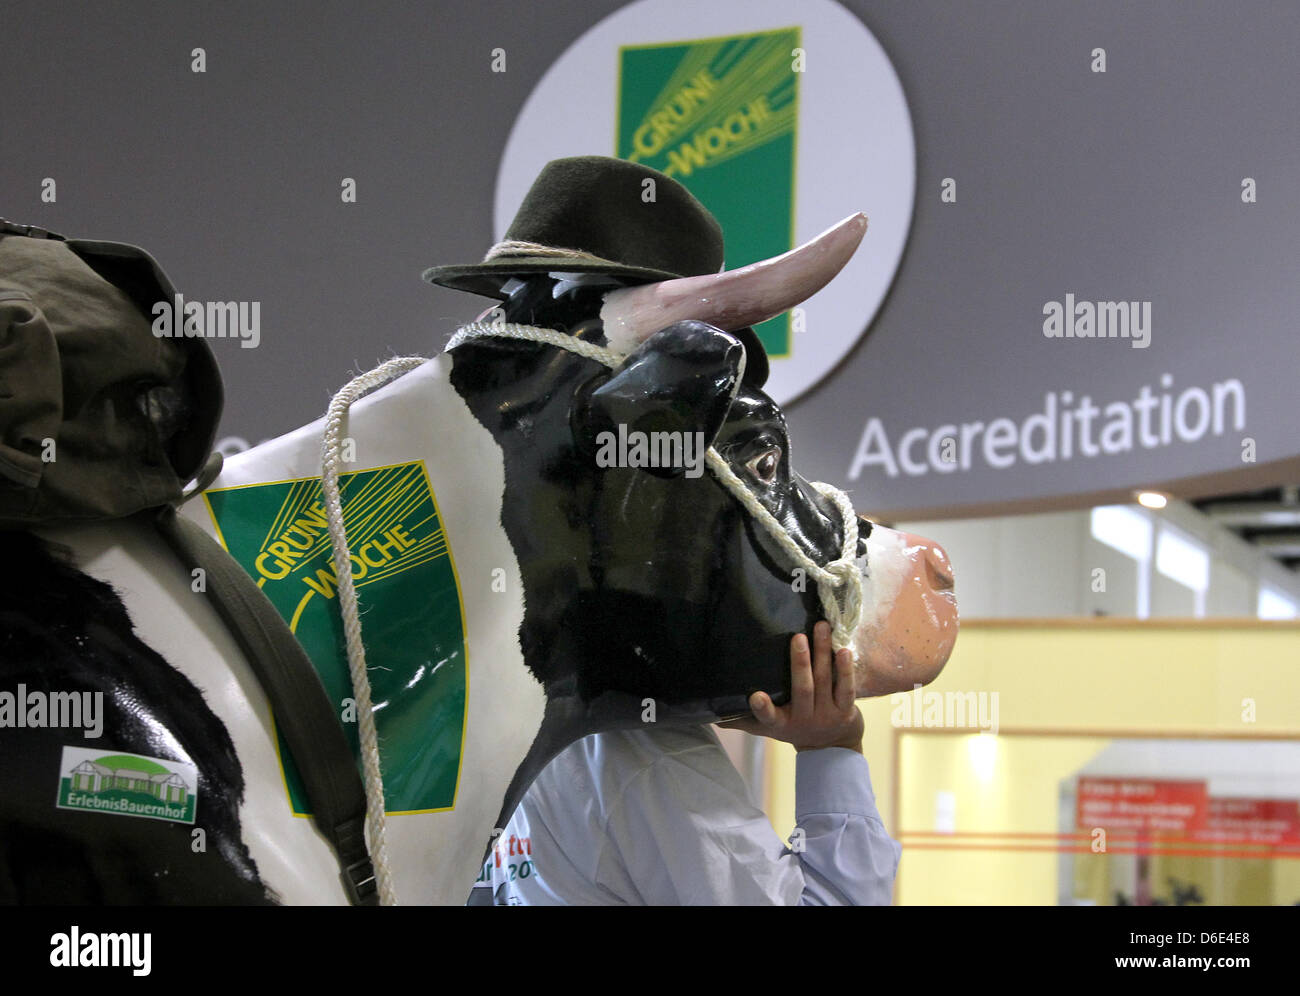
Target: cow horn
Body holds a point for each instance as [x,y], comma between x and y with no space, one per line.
[732,299]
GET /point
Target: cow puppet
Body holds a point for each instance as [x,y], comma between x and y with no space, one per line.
[585,590]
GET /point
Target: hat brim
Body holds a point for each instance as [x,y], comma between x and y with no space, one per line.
[488,278]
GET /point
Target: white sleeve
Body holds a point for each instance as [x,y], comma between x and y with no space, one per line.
[684,832]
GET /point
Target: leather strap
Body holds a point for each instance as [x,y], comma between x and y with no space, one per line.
[303,712]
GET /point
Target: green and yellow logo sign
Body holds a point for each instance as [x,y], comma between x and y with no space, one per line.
[411,610]
[719,116]
[127,785]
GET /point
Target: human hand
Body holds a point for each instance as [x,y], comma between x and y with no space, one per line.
[821,712]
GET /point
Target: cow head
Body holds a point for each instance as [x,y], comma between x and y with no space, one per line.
[653,580]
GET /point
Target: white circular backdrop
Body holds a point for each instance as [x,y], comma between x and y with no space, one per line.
[854,147]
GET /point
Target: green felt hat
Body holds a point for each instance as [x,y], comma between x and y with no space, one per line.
[594,214]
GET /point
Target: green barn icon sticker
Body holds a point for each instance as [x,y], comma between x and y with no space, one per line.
[410,602]
[127,785]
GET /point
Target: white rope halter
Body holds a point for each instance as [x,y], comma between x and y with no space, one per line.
[331,458]
[839,583]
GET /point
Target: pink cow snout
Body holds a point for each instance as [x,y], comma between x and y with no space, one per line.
[909,622]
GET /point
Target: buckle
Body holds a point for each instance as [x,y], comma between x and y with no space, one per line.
[358,875]
[359,881]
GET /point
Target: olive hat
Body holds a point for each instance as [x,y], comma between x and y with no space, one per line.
[594,214]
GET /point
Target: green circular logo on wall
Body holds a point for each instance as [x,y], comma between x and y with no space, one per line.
[782,119]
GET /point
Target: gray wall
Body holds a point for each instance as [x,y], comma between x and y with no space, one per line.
[1122,186]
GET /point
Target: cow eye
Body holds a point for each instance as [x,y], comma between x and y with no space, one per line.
[764,466]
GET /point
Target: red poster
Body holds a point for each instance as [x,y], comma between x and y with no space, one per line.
[1253,821]
[1142,805]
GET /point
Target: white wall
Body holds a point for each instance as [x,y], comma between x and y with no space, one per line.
[1013,566]
[1044,565]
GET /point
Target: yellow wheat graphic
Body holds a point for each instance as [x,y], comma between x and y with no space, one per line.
[716,79]
[371,507]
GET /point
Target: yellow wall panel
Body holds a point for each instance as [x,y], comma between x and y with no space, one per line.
[1092,678]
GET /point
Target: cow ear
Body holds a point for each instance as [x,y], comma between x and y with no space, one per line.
[681,379]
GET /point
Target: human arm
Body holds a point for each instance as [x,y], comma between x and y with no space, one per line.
[684,830]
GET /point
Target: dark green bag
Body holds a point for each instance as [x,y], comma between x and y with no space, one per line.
[101,419]
[98,417]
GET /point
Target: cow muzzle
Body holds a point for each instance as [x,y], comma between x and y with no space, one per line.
[909,617]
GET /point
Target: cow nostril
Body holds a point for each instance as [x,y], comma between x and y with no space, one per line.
[940,573]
